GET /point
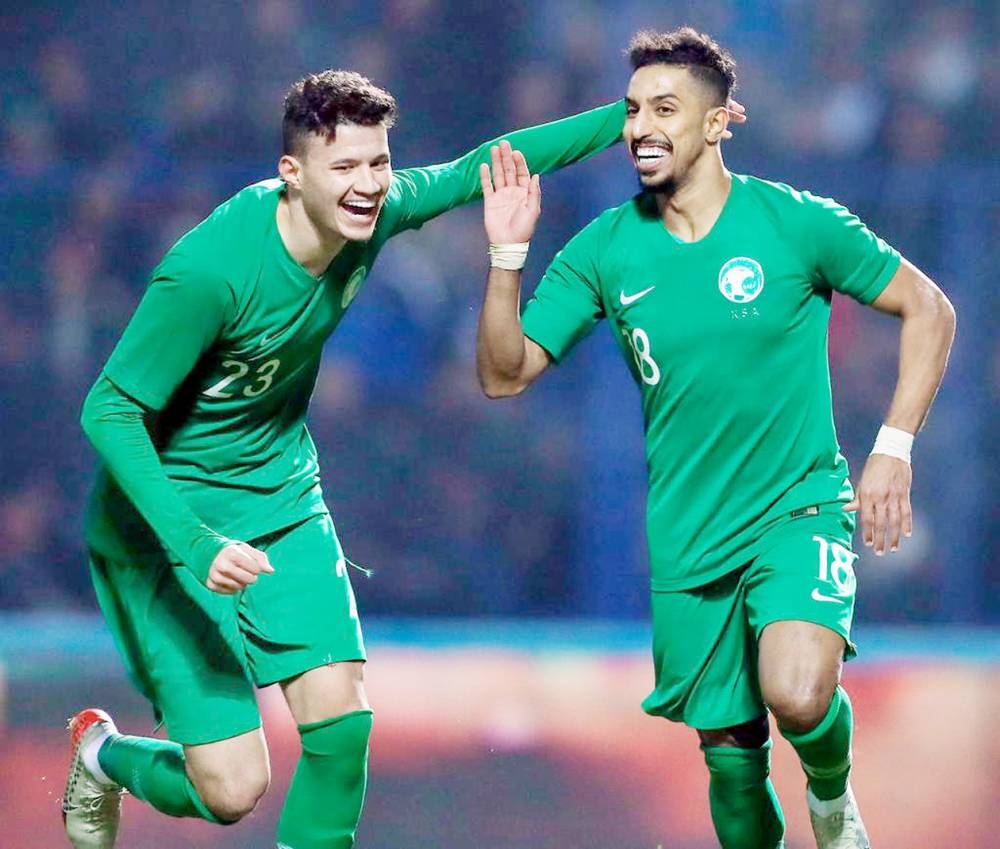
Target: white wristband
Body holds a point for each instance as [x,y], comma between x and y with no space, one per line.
[509,257]
[893,442]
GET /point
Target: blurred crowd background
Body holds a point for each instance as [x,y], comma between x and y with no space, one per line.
[125,124]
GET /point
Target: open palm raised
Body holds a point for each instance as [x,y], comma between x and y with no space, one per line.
[512,198]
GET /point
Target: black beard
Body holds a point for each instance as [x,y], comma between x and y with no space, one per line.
[667,186]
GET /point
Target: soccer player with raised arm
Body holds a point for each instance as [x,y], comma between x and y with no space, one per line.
[717,288]
[214,557]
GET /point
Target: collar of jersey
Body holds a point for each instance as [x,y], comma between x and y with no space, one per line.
[735,185]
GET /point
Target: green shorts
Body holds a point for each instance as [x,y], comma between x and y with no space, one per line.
[196,654]
[705,639]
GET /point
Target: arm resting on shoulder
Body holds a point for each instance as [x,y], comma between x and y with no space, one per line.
[424,193]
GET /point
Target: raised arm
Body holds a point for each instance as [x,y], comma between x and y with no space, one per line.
[928,327]
[507,361]
[420,194]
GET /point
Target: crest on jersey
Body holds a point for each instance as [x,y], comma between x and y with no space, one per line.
[741,280]
[353,284]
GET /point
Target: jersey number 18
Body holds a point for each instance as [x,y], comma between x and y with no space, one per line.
[638,341]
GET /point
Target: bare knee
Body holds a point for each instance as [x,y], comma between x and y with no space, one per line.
[799,706]
[748,735]
[231,796]
[230,775]
[799,666]
[326,691]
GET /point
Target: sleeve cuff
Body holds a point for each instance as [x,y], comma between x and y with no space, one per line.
[203,553]
[877,286]
[556,348]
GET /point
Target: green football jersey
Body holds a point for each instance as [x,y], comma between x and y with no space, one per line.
[225,347]
[727,340]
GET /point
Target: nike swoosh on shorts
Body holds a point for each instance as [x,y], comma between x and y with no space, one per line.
[818,596]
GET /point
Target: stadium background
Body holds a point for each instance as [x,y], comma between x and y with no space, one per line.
[506,617]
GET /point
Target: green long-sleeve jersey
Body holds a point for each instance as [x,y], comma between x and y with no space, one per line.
[221,356]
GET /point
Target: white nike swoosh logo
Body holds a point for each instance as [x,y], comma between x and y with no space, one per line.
[631,299]
[818,596]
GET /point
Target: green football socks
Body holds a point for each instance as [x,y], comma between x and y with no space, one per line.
[825,752]
[745,809]
[324,801]
[153,770]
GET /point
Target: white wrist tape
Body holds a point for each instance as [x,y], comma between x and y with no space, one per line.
[510,257]
[893,442]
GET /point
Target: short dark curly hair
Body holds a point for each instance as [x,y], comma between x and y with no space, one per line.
[319,102]
[696,51]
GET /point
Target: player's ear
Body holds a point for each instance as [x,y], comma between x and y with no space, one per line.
[289,169]
[716,121]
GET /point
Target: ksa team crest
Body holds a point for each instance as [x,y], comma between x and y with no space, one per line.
[741,280]
[351,289]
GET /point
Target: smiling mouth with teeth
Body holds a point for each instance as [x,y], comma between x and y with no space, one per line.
[649,152]
[360,208]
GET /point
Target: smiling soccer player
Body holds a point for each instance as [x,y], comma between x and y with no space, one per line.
[717,287]
[213,554]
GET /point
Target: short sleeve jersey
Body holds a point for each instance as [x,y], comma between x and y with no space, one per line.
[225,346]
[726,338]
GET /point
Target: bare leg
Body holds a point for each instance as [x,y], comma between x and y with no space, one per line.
[230,775]
[327,793]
